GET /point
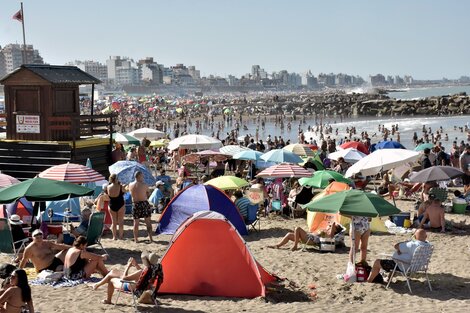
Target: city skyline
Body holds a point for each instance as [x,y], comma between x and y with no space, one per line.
[423,39]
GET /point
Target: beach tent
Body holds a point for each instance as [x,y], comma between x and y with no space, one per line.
[199,198]
[59,207]
[22,207]
[208,257]
[317,221]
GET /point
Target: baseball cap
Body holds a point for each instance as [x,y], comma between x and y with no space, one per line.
[159,183]
[37,232]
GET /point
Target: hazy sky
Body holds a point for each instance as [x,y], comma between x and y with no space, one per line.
[424,38]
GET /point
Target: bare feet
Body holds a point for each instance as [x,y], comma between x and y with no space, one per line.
[106,301]
[294,248]
[94,286]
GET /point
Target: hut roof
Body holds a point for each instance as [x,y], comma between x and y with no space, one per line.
[57,74]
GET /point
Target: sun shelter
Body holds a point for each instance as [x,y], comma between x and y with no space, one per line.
[58,208]
[220,264]
[198,198]
[21,207]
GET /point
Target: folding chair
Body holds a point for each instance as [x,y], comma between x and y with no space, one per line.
[276,206]
[95,230]
[150,279]
[253,219]
[338,237]
[7,245]
[419,263]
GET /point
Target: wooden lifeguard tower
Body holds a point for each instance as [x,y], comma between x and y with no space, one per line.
[43,122]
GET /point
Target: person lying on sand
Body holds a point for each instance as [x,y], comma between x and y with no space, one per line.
[300,235]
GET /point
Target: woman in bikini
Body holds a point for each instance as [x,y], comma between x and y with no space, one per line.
[116,206]
[13,298]
[80,263]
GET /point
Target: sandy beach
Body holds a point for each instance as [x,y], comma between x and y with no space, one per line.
[448,273]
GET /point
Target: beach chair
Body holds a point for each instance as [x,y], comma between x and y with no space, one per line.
[7,245]
[95,230]
[338,238]
[150,279]
[253,219]
[419,263]
[276,206]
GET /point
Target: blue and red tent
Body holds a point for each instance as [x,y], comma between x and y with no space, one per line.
[198,198]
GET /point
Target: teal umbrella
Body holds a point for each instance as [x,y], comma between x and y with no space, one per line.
[353,203]
[423,146]
[321,179]
[43,189]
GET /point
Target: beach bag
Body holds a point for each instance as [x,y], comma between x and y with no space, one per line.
[362,272]
[350,275]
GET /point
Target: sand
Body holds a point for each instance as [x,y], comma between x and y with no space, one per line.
[449,274]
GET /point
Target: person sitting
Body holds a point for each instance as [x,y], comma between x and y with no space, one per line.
[114,277]
[80,263]
[242,204]
[81,230]
[434,216]
[300,235]
[157,195]
[16,294]
[17,230]
[41,253]
[403,251]
[421,209]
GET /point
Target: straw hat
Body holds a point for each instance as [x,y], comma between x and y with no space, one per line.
[152,258]
[15,219]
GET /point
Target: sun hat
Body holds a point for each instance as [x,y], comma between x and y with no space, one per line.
[37,232]
[159,183]
[15,219]
[151,257]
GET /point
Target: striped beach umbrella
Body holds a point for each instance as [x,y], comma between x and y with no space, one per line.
[7,180]
[72,173]
[233,149]
[281,156]
[299,149]
[284,170]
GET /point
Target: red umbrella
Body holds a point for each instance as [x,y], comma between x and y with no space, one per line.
[72,173]
[356,145]
[285,170]
[313,147]
[7,180]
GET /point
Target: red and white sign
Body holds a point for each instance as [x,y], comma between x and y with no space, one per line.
[28,124]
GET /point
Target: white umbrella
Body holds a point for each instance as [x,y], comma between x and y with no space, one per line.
[193,141]
[382,160]
[233,149]
[148,133]
[350,155]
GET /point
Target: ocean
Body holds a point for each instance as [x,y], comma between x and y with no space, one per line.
[415,93]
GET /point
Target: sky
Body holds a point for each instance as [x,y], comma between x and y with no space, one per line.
[427,39]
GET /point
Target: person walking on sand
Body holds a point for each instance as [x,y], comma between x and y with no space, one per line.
[141,207]
[116,206]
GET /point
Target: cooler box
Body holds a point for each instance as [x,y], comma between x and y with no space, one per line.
[459,206]
[326,244]
[399,219]
[54,229]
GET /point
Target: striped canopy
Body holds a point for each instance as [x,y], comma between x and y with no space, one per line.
[72,173]
[7,180]
[284,170]
[299,149]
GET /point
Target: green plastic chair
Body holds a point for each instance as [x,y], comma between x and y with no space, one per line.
[95,230]
[7,245]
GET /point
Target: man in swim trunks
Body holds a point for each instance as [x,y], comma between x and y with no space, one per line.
[141,207]
[41,253]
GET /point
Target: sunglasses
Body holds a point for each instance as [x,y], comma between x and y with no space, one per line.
[37,235]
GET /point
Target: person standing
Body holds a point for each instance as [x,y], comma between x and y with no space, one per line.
[116,206]
[141,207]
[361,235]
[464,162]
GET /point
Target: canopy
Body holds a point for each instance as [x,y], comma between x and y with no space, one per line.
[233,149]
[159,143]
[281,156]
[299,149]
[227,182]
[356,145]
[389,144]
[435,173]
[423,146]
[124,139]
[7,180]
[148,133]
[350,155]
[72,173]
[321,179]
[125,171]
[193,141]
[284,170]
[42,189]
[248,155]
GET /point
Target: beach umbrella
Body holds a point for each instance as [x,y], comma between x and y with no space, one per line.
[423,146]
[200,156]
[125,171]
[42,189]
[313,147]
[284,170]
[315,160]
[233,149]
[299,149]
[159,143]
[179,110]
[148,133]
[321,179]
[72,173]
[382,160]
[7,180]
[228,182]
[436,173]
[248,155]
[281,156]
[356,145]
[389,144]
[124,139]
[350,155]
[193,141]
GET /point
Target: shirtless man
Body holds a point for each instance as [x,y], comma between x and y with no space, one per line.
[41,253]
[141,207]
[433,217]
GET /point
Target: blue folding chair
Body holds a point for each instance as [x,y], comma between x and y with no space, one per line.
[253,219]
[276,205]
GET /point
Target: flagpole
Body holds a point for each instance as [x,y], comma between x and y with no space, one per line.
[24,36]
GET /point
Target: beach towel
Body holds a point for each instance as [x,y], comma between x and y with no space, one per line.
[62,282]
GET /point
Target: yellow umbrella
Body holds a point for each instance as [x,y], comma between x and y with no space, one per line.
[227,182]
[179,110]
[160,143]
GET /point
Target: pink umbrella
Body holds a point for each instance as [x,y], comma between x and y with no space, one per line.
[7,180]
[72,173]
[285,170]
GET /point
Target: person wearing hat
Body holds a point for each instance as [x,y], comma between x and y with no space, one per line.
[157,195]
[115,277]
[41,253]
[17,230]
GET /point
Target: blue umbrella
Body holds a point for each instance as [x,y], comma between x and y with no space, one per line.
[125,171]
[281,156]
[249,155]
[389,145]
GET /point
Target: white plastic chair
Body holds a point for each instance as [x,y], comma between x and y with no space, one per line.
[419,263]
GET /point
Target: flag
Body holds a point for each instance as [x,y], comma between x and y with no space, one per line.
[18,16]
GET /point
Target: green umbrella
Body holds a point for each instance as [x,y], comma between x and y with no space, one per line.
[314,160]
[320,179]
[42,189]
[423,146]
[353,203]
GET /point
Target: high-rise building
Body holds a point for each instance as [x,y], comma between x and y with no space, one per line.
[93,68]
[150,71]
[11,57]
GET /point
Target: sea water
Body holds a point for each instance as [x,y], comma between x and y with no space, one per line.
[418,93]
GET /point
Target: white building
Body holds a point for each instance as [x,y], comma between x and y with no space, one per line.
[11,57]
